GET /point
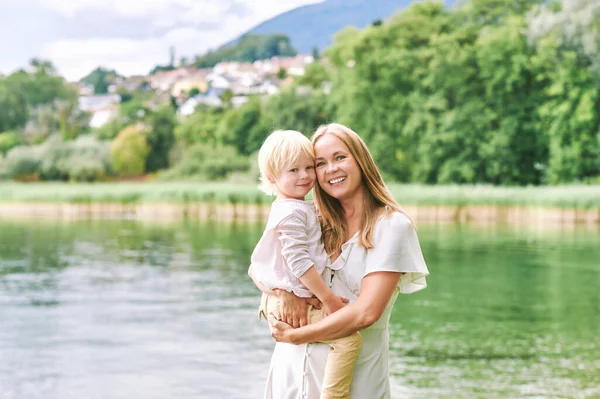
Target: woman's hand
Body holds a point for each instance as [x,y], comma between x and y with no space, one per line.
[293,310]
[334,303]
[281,331]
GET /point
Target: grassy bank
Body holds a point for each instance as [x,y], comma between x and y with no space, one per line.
[569,197]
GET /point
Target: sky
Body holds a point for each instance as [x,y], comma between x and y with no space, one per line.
[130,36]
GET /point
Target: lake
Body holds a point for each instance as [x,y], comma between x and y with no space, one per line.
[128,309]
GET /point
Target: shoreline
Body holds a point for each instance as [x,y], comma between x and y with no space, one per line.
[253,212]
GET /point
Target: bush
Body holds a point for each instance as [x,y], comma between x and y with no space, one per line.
[208,162]
[129,151]
[90,159]
[110,130]
[22,161]
[54,164]
[87,169]
[9,140]
[85,159]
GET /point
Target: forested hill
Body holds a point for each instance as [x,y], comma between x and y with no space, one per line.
[314,26]
[248,49]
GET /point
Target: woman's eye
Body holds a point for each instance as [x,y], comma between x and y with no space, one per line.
[320,164]
[340,157]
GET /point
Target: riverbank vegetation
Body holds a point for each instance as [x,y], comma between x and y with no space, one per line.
[570,196]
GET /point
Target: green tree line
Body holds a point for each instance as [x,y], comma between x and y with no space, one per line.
[493,91]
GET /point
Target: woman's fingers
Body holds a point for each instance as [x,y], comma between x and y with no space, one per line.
[314,302]
[303,321]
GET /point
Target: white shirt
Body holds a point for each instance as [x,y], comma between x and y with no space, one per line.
[289,246]
[297,371]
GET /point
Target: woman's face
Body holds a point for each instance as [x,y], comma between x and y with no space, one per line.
[338,172]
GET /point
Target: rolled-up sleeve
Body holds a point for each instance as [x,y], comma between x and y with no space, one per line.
[292,232]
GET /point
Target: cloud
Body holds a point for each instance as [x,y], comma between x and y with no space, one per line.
[159,13]
[131,36]
[74,58]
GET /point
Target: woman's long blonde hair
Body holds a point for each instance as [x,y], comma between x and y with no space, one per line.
[378,199]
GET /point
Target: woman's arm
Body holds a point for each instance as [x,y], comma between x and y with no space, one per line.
[375,292]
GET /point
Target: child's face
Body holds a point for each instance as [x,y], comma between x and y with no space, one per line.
[296,179]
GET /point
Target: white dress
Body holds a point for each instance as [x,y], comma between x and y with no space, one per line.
[296,371]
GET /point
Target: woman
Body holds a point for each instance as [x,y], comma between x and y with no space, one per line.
[375,255]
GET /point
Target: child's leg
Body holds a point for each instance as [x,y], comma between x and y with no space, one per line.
[340,361]
[268,304]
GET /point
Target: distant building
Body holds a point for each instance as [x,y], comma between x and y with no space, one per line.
[98,102]
[166,80]
[102,117]
[220,80]
[211,98]
[85,89]
[292,65]
[195,80]
[135,83]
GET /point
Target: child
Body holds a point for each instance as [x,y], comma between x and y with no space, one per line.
[290,254]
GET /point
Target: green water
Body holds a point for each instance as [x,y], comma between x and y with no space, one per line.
[123,309]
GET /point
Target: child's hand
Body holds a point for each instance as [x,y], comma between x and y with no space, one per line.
[334,303]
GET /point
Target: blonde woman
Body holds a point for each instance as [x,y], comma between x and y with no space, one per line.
[375,255]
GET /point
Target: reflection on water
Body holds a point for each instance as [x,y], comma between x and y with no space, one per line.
[124,309]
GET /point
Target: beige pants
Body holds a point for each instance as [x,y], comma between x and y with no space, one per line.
[342,354]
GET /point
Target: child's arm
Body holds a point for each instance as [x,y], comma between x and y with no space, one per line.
[258,284]
[293,236]
[315,284]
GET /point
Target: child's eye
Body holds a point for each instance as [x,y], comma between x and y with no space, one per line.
[310,167]
[294,170]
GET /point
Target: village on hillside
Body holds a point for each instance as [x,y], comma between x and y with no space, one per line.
[189,86]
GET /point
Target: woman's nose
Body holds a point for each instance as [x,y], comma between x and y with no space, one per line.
[332,168]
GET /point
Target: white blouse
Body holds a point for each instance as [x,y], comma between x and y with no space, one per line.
[296,371]
[289,246]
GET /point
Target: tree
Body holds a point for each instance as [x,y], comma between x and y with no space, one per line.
[160,137]
[314,76]
[302,111]
[22,92]
[129,151]
[200,127]
[281,74]
[43,67]
[13,107]
[316,53]
[100,78]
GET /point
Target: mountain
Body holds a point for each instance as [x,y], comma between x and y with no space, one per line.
[314,25]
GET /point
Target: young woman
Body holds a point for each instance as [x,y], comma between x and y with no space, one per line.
[374,248]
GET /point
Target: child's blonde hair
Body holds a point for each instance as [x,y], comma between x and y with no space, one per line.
[280,149]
